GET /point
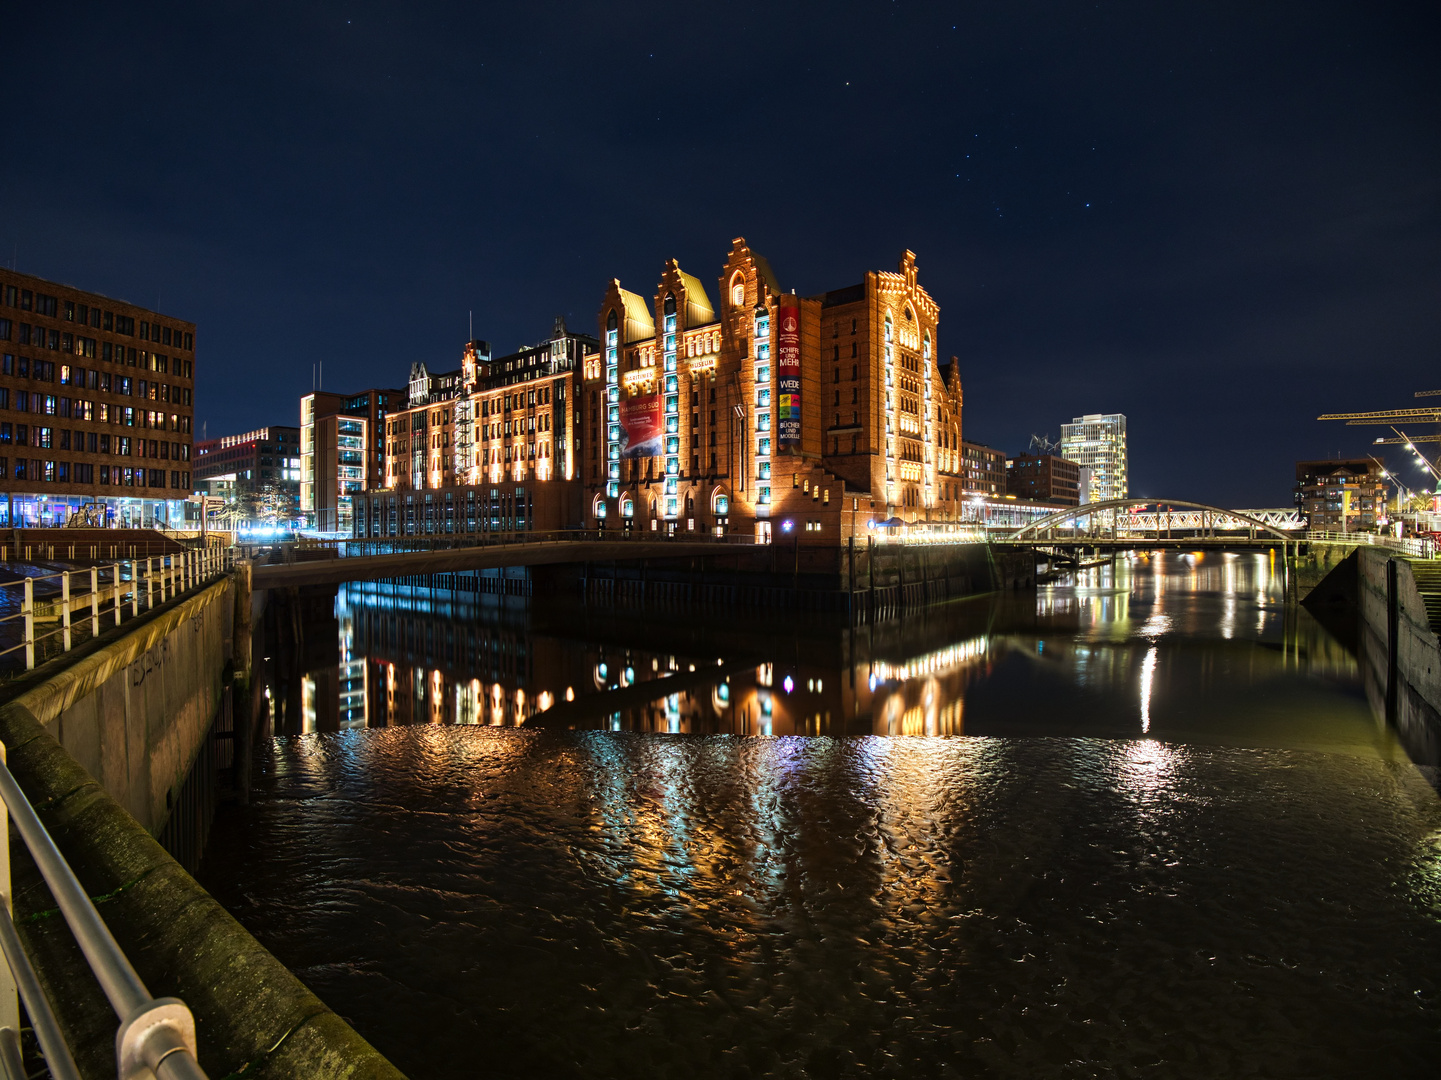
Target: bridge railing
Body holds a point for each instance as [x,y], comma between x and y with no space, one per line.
[155,1036]
[1417,547]
[80,602]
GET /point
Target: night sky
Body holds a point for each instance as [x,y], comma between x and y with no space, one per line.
[1219,219]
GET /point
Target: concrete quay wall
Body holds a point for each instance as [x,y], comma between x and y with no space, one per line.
[135,710]
[1401,655]
[863,578]
[135,713]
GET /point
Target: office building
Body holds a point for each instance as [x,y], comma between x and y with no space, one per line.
[257,473]
[342,451]
[1097,441]
[1341,496]
[983,470]
[96,407]
[1044,478]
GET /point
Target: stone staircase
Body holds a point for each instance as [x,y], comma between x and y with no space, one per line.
[1428,582]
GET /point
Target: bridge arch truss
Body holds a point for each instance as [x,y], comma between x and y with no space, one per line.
[1178,515]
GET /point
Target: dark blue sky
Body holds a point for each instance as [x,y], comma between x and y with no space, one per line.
[1220,219]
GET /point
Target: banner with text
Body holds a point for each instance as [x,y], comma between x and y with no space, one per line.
[641,426]
[788,377]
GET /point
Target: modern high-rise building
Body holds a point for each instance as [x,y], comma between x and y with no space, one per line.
[342,452]
[1097,441]
[95,407]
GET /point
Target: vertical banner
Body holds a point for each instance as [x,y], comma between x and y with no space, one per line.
[641,426]
[788,377]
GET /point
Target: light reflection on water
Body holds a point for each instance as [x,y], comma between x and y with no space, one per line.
[1181,886]
[1199,646]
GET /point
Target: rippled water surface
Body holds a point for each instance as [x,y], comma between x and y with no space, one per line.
[1145,825]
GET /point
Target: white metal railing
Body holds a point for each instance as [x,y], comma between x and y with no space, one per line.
[1418,547]
[99,595]
[155,1037]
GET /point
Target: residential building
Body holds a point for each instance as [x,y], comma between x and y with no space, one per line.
[257,473]
[96,407]
[983,470]
[1341,496]
[1097,441]
[1044,478]
[814,415]
[342,448]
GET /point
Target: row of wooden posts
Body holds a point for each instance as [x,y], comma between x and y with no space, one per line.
[164,577]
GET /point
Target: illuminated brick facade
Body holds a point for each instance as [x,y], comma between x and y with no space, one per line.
[769,412]
[489,447]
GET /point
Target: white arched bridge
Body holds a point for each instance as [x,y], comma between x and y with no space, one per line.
[1135,519]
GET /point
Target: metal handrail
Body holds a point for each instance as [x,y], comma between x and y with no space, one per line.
[111,590]
[1407,545]
[156,1036]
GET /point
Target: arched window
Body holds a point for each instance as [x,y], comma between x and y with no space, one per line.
[598,507]
[926,345]
[627,508]
[669,305]
[890,328]
[610,320]
[738,289]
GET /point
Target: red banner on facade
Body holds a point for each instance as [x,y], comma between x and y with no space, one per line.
[788,377]
[641,426]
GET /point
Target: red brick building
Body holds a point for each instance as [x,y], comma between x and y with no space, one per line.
[983,470]
[768,411]
[1044,478]
[488,447]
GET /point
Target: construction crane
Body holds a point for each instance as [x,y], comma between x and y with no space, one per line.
[1391,416]
[1386,416]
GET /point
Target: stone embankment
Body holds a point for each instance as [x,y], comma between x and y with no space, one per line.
[100,741]
[1400,615]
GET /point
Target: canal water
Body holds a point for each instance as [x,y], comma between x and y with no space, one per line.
[1139,824]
